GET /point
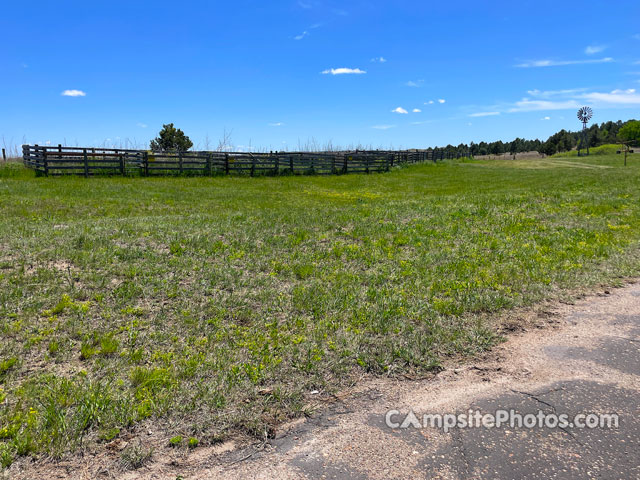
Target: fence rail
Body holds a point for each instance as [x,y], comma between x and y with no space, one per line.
[59,160]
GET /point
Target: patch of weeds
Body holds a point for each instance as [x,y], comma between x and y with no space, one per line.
[6,365]
[108,344]
[109,434]
[175,441]
[54,347]
[193,442]
[135,455]
[88,349]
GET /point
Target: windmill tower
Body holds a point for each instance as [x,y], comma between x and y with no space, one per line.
[584,115]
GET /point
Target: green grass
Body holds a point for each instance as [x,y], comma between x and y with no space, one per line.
[209,306]
[607,150]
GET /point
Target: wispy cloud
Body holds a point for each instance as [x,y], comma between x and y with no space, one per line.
[383,127]
[555,93]
[276,124]
[593,49]
[416,110]
[441,100]
[559,63]
[636,36]
[305,4]
[343,71]
[378,60]
[629,97]
[545,118]
[73,93]
[399,110]
[306,33]
[528,105]
[569,99]
[484,114]
[430,102]
[417,83]
[340,12]
[142,125]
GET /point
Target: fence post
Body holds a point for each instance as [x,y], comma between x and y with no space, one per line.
[44,160]
[4,155]
[86,162]
[366,162]
[180,161]
[291,163]
[277,164]
[253,164]
[333,164]
[145,164]
[226,163]
[345,167]
[121,158]
[209,164]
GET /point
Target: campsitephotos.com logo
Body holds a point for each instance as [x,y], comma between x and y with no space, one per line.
[499,419]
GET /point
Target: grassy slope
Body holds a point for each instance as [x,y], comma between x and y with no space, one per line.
[212,304]
[607,150]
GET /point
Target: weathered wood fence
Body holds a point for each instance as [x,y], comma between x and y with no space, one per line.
[59,160]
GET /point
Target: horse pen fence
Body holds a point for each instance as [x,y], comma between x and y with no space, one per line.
[59,160]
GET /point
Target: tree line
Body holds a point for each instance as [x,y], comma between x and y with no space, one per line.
[562,141]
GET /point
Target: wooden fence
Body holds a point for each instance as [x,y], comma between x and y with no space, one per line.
[59,160]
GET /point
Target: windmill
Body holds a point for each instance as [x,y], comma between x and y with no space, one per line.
[584,115]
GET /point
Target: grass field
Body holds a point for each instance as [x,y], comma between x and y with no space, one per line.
[207,306]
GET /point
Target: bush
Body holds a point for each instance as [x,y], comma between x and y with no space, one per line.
[171,139]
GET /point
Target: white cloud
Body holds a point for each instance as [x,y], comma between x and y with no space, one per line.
[301,36]
[554,93]
[383,127]
[528,105]
[557,63]
[593,49]
[545,118]
[378,60]
[616,98]
[399,110]
[142,125]
[430,102]
[277,124]
[343,71]
[73,93]
[417,83]
[441,100]
[484,114]
[572,99]
[416,110]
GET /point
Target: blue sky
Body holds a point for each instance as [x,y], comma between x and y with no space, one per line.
[280,74]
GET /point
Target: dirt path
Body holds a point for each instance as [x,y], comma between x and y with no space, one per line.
[584,359]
